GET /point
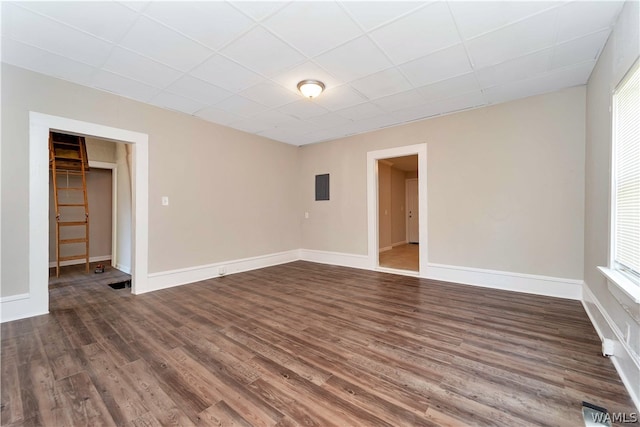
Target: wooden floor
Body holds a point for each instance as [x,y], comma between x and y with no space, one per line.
[305,344]
[77,275]
[403,257]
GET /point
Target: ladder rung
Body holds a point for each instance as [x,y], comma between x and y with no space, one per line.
[69,258]
[69,241]
[71,223]
[67,158]
[69,171]
[71,144]
[71,204]
[71,188]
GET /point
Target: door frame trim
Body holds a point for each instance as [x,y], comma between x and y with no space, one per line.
[372,201]
[39,127]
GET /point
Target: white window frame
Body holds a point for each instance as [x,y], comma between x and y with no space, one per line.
[624,281]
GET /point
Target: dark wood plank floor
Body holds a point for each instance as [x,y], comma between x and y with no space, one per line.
[304,344]
[72,275]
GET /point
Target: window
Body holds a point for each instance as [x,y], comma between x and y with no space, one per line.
[626,176]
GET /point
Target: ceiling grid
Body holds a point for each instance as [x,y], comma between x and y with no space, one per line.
[383,63]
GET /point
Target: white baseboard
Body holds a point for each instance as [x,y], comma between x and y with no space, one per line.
[393,245]
[335,258]
[627,365]
[15,307]
[168,279]
[81,261]
[518,282]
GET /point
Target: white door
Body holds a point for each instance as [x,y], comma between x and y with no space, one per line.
[413,234]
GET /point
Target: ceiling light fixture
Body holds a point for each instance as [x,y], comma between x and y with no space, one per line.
[311,88]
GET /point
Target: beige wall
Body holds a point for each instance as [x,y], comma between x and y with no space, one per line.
[505,192]
[620,52]
[505,186]
[100,215]
[100,150]
[215,213]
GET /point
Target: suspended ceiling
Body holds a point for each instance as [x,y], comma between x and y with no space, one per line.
[384,63]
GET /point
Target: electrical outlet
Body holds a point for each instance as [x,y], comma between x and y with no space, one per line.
[306,215]
[165,201]
[222,270]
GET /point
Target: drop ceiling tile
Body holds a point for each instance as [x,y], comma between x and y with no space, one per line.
[123,86]
[438,66]
[32,29]
[273,116]
[156,41]
[300,23]
[579,18]
[321,135]
[226,74]
[525,67]
[339,97]
[176,102]
[373,123]
[449,88]
[262,52]
[252,125]
[457,103]
[307,70]
[216,115]
[371,14]
[462,102]
[107,20]
[282,135]
[478,17]
[515,40]
[259,10]
[353,60]
[40,61]
[329,120]
[418,34]
[303,109]
[402,100]
[136,5]
[195,19]
[382,83]
[362,111]
[555,80]
[270,94]
[298,125]
[579,50]
[198,90]
[137,67]
[240,106]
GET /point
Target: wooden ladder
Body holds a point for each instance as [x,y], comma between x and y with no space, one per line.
[68,157]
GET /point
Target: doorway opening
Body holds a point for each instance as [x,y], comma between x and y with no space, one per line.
[398,213]
[36,302]
[380,164]
[108,188]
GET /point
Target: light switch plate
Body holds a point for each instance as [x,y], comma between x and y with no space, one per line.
[165,201]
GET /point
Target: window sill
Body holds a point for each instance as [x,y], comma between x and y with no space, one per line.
[622,283]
